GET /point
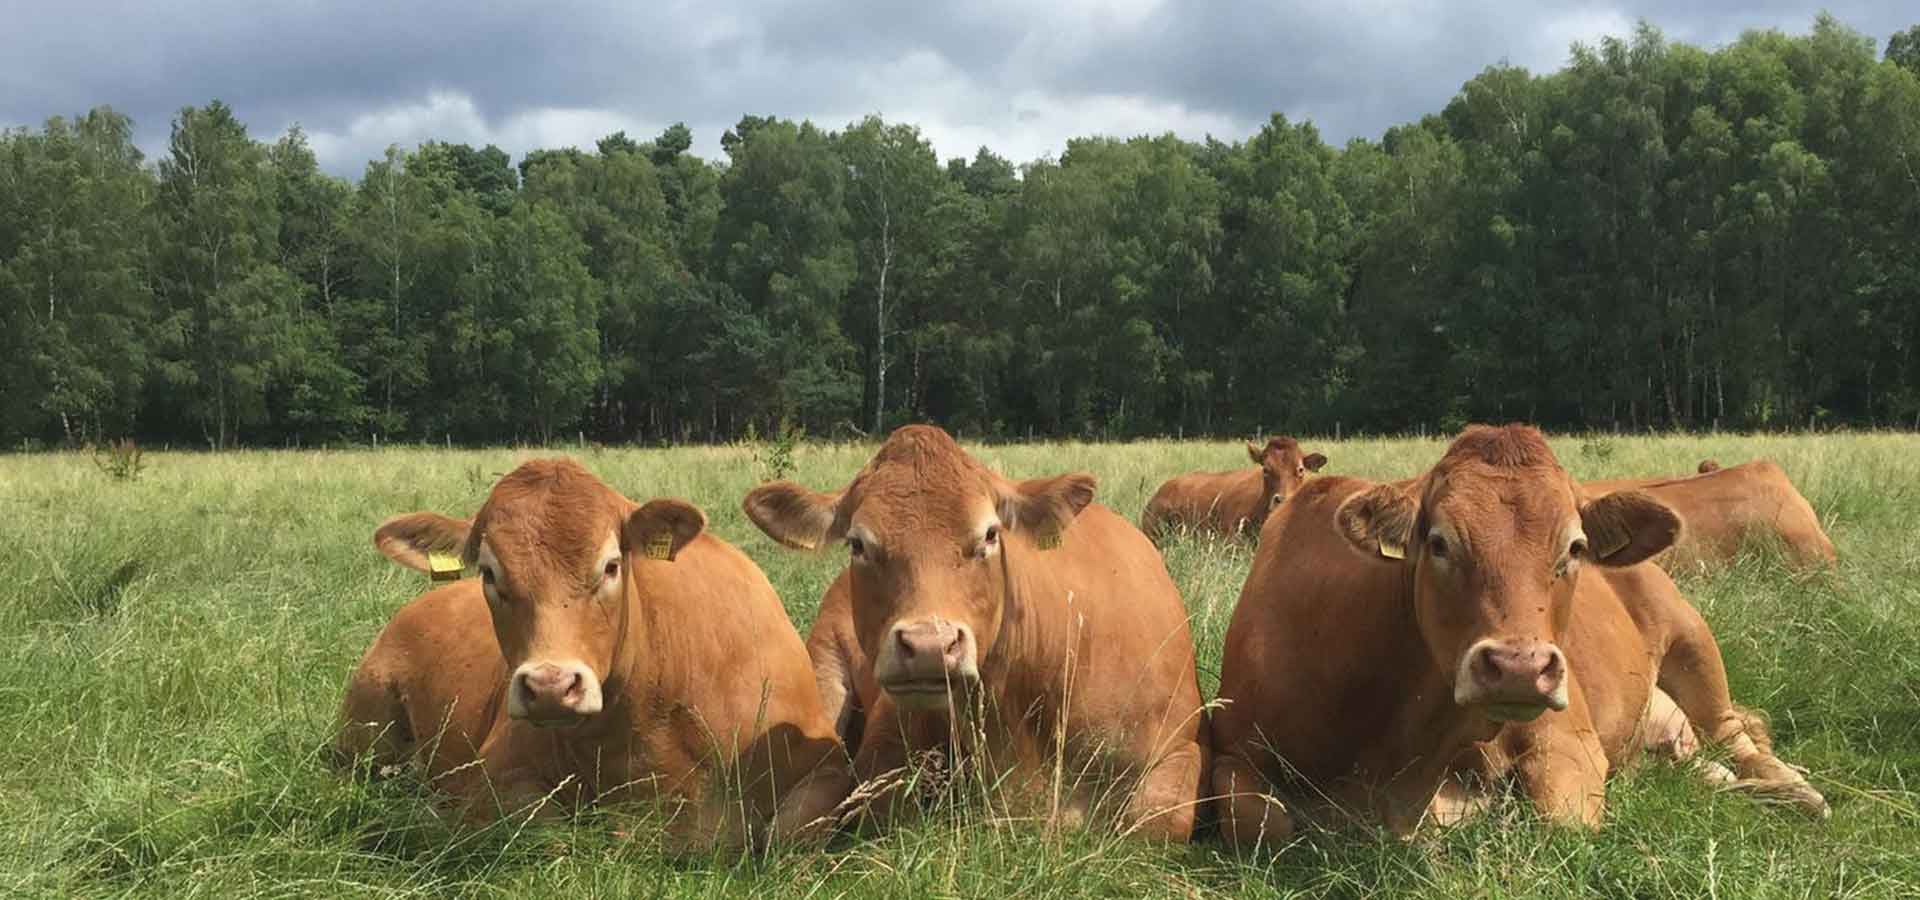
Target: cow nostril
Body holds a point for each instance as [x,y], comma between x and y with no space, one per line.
[1552,666]
[906,644]
[1485,667]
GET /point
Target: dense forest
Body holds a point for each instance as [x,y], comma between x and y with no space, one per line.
[1656,236]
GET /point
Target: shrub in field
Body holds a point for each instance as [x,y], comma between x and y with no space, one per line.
[1596,448]
[775,455]
[121,460]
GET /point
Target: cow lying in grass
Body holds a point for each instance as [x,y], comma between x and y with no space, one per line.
[1022,632]
[1397,650]
[608,651]
[1720,508]
[1235,503]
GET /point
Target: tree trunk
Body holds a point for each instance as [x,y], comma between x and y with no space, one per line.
[880,324]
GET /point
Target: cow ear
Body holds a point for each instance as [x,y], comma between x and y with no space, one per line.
[1046,507]
[419,540]
[1256,453]
[1314,461]
[1379,520]
[1708,466]
[1626,528]
[794,516]
[659,529]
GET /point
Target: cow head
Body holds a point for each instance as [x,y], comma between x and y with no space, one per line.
[1494,545]
[1282,470]
[553,546]
[927,530]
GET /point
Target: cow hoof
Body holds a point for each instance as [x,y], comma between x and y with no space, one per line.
[1797,794]
[1714,773]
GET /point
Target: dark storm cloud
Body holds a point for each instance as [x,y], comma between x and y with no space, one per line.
[1020,77]
[1359,68]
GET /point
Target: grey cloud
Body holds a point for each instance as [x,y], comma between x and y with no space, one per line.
[1003,71]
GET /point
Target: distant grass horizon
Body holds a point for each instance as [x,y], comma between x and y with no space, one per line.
[179,642]
[580,443]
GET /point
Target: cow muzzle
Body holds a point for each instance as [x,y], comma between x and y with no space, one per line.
[1512,680]
[923,662]
[549,693]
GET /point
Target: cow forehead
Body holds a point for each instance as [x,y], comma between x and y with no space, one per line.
[549,512]
[920,483]
[1500,505]
[901,505]
[1283,458]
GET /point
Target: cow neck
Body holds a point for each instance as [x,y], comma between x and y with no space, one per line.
[1022,654]
[1252,513]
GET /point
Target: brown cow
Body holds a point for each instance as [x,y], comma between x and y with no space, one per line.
[581,666]
[1389,650]
[1019,629]
[1236,503]
[1720,507]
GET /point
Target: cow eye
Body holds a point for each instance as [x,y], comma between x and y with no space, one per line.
[993,535]
[1577,549]
[612,570]
[1437,546]
[857,547]
[488,587]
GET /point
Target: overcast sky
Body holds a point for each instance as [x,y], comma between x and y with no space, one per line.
[1020,77]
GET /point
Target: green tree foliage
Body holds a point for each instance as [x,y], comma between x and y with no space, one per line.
[1903,49]
[782,247]
[315,396]
[1655,236]
[226,304]
[1285,243]
[545,313]
[75,299]
[900,209]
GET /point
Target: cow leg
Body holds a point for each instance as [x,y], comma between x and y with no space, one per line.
[1249,815]
[1694,674]
[373,724]
[883,779]
[1563,769]
[1165,801]
[481,796]
[502,781]
[1665,732]
[1455,801]
[1664,729]
[807,814]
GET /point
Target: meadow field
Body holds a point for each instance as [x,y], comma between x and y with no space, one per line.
[176,647]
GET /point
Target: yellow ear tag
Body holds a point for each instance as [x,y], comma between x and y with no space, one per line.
[1392,550]
[444,566]
[660,546]
[1048,539]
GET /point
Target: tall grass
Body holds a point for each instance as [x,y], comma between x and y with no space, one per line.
[177,644]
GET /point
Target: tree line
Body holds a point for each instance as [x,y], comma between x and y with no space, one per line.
[1655,236]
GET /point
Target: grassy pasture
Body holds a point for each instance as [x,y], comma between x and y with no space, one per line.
[176,647]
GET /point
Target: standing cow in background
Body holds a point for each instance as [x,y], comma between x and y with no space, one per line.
[1026,633]
[1397,650]
[581,666]
[1235,503]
